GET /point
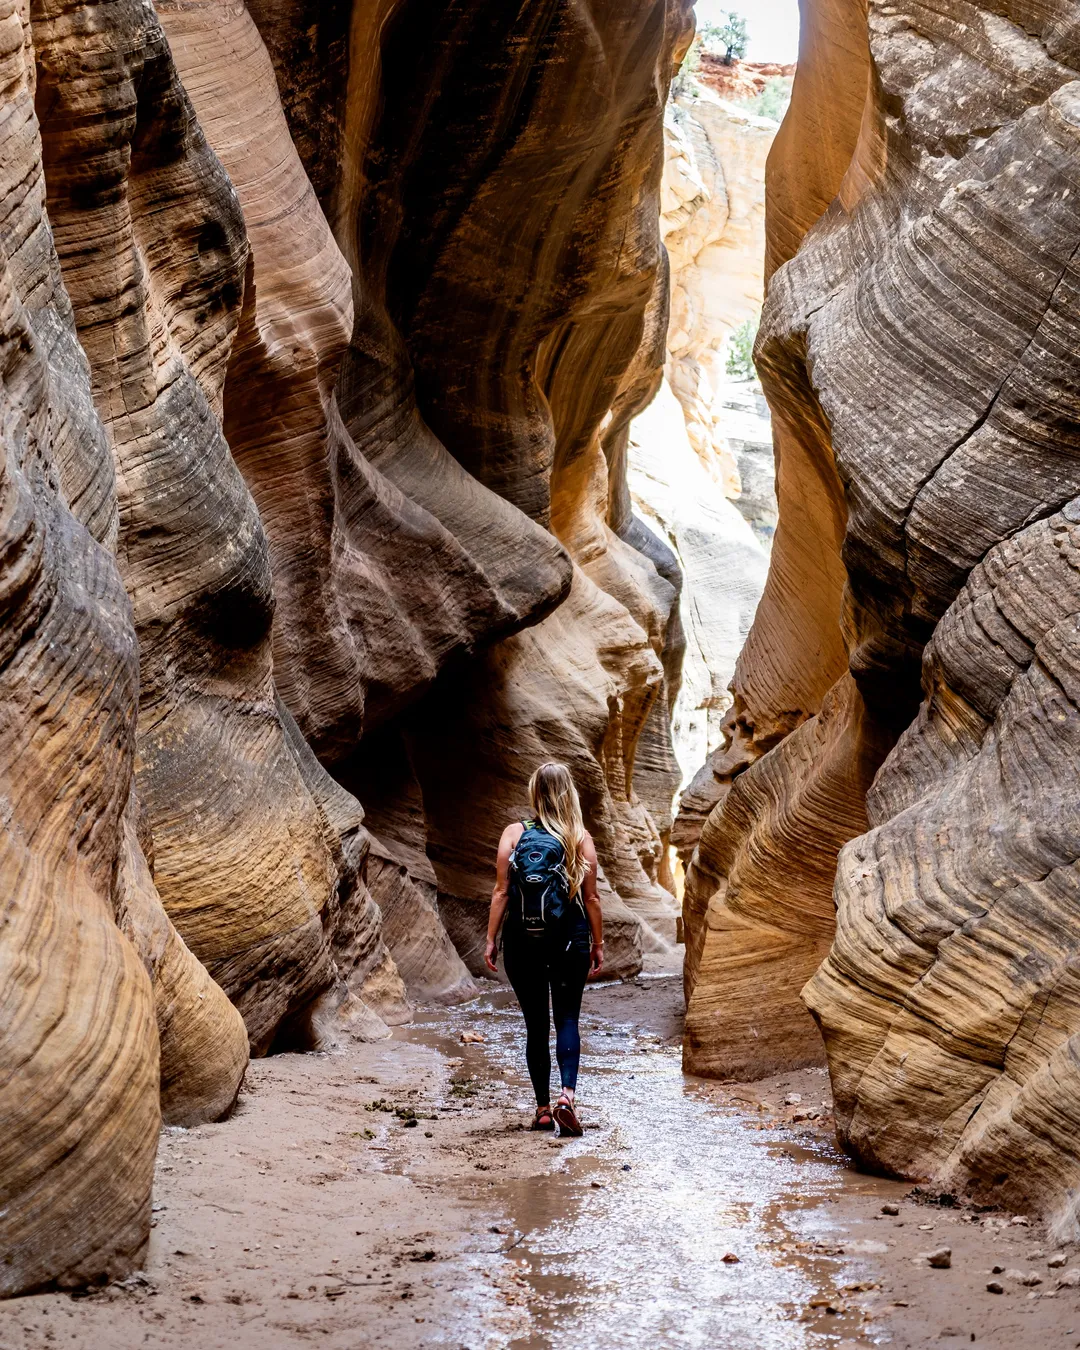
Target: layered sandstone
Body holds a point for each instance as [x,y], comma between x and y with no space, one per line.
[741,81]
[794,654]
[919,355]
[948,1000]
[713,224]
[701,453]
[247,859]
[110,1023]
[479,399]
[315,417]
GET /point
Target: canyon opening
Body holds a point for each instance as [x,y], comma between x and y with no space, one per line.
[396,397]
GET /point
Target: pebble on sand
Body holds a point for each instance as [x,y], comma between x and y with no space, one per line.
[941,1259]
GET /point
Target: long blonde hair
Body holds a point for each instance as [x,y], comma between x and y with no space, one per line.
[555,803]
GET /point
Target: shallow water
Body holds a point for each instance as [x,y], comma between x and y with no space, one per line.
[622,1245]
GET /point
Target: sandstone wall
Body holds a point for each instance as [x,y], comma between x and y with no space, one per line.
[722,563]
[110,1023]
[781,906]
[493,343]
[919,356]
[713,224]
[700,455]
[322,327]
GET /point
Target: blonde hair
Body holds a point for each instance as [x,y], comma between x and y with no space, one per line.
[555,803]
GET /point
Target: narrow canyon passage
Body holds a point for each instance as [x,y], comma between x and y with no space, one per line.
[403,403]
[318,1214]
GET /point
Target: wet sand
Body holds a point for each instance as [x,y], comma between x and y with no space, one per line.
[318,1214]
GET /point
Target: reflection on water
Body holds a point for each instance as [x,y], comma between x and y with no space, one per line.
[623,1243]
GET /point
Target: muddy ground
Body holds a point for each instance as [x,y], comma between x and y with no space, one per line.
[387,1195]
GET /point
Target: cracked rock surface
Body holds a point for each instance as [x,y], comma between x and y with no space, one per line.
[910,681]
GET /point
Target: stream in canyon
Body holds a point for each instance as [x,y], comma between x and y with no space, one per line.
[387,1195]
[624,1242]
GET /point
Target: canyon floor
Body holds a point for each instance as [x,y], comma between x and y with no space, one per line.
[318,1214]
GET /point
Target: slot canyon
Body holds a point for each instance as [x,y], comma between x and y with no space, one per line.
[371,435]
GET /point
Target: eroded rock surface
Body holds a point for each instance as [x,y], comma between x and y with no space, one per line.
[705,441]
[950,980]
[319,349]
[244,858]
[713,222]
[477,398]
[109,1022]
[722,562]
[918,351]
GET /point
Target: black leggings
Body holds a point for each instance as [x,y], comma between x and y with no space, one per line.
[533,969]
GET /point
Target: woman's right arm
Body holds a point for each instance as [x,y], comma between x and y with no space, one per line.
[500,895]
[592,906]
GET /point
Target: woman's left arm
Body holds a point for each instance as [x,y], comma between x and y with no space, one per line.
[592,906]
[500,895]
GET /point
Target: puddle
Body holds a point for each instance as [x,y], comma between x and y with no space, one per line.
[622,1242]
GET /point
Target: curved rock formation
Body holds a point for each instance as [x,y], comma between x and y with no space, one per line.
[475,394]
[244,859]
[919,349]
[202,1037]
[79,1054]
[110,1024]
[948,1001]
[795,651]
[314,430]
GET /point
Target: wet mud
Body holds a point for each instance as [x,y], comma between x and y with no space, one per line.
[669,1223]
[389,1195]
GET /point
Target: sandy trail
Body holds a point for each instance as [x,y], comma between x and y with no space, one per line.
[316,1215]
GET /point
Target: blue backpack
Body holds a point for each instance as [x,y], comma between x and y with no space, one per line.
[539,884]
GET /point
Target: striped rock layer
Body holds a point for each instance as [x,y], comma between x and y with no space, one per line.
[897,813]
[319,343]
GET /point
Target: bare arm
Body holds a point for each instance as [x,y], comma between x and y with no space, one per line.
[500,895]
[592,906]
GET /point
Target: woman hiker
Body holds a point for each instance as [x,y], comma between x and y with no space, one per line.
[553,939]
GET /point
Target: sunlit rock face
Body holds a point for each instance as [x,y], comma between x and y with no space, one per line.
[497,353]
[722,562]
[701,460]
[919,356]
[713,223]
[319,344]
